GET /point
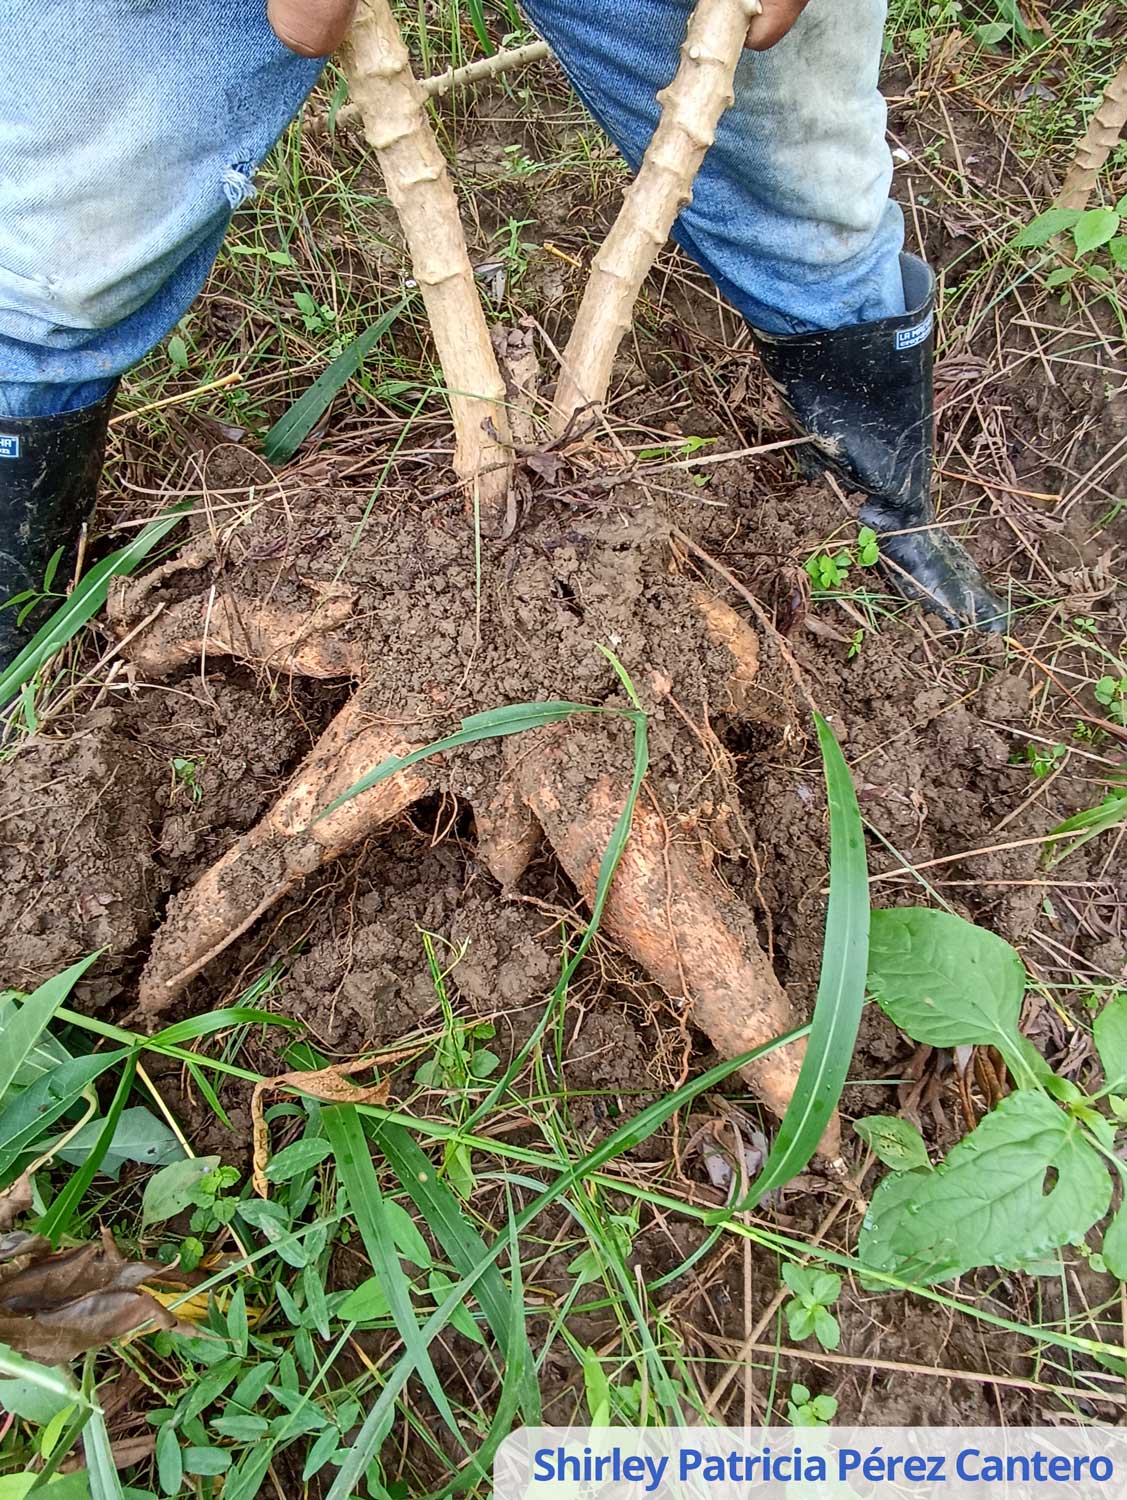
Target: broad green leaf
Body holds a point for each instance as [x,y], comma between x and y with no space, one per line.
[404,1231]
[948,983]
[138,1137]
[294,1160]
[1094,228]
[596,1388]
[1114,1247]
[24,1029]
[992,32]
[990,1202]
[366,1303]
[438,1284]
[799,1279]
[894,1141]
[237,1329]
[16,1486]
[1117,249]
[1110,1032]
[46,1055]
[1052,222]
[294,425]
[841,985]
[827,1330]
[26,1117]
[169,1191]
[800,1321]
[31,1402]
[206,1461]
[825,1288]
[320,1453]
[170,1462]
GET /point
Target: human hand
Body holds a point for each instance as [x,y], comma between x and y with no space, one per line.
[776,20]
[311,28]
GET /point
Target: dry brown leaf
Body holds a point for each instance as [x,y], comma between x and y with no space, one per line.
[15,1200]
[328,1084]
[57,1304]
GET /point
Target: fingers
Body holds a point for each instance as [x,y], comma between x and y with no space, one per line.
[311,28]
[777,19]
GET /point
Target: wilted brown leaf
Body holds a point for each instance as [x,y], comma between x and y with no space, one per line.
[15,1200]
[57,1304]
[328,1084]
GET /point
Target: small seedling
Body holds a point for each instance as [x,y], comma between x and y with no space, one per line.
[808,1311]
[806,1410]
[1043,760]
[621,1230]
[1096,249]
[186,775]
[683,448]
[1111,693]
[829,571]
[28,600]
[213,1206]
[515,251]
[316,316]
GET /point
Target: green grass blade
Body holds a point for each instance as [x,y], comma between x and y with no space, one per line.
[345,1134]
[464,1248]
[376,1425]
[57,1219]
[1089,824]
[30,1114]
[294,425]
[481,30]
[519,1373]
[32,1018]
[194,1027]
[494,724]
[841,986]
[105,1483]
[85,602]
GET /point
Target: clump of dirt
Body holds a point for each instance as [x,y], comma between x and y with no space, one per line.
[76,855]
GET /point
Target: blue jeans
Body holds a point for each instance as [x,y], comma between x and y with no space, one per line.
[131,129]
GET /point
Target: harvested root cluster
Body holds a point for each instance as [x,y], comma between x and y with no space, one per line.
[426,656]
[426,652]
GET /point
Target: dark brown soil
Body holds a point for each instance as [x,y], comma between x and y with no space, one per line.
[926,733]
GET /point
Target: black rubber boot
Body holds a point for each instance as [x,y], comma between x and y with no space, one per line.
[865,394]
[49,471]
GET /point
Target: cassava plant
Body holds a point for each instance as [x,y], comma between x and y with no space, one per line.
[666,906]
[1038,1173]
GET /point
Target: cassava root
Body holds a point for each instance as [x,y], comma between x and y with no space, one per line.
[670,914]
[290,842]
